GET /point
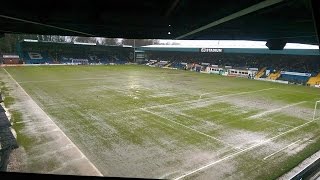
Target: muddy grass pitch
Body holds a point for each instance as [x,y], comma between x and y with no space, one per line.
[137,121]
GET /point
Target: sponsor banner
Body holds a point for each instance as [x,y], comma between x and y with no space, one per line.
[78,59]
[296,73]
[211,50]
[214,65]
[228,67]
[183,63]
[11,56]
[82,43]
[271,80]
[5,65]
[205,64]
[139,55]
[34,55]
[30,40]
[254,69]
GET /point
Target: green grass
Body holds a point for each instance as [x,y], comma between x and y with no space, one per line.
[150,122]
[26,141]
[7,99]
[18,125]
[16,118]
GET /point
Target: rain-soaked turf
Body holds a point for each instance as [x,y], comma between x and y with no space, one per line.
[138,121]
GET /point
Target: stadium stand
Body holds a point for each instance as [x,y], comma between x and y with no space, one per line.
[295,77]
[274,76]
[176,65]
[270,66]
[52,52]
[161,64]
[168,65]
[293,63]
[314,80]
[32,57]
[261,72]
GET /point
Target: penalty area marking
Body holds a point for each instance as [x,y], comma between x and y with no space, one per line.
[239,152]
[207,99]
[281,149]
[277,109]
[199,132]
[82,155]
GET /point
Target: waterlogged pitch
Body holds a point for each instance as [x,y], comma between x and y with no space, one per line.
[138,121]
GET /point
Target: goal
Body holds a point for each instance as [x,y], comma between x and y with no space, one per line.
[316,112]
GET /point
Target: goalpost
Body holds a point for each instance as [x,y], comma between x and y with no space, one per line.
[315,113]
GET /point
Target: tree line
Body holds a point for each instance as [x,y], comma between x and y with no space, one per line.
[9,42]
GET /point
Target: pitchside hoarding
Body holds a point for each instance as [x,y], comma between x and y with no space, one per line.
[205,64]
[10,56]
[254,69]
[296,73]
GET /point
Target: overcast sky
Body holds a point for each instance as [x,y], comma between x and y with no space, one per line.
[234,44]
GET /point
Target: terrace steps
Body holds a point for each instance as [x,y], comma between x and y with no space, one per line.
[274,76]
[261,72]
[314,80]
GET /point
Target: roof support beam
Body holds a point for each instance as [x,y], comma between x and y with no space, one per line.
[173,5]
[238,14]
[46,25]
[315,7]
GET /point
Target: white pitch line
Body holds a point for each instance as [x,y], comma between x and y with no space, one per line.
[245,92]
[281,150]
[242,151]
[298,92]
[203,95]
[193,129]
[277,109]
[187,101]
[278,123]
[93,166]
[209,98]
[59,80]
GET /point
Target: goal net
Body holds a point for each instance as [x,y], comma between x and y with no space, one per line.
[316,112]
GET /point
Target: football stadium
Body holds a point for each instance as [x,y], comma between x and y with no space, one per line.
[158,111]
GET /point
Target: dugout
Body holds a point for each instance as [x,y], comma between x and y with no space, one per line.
[11,59]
